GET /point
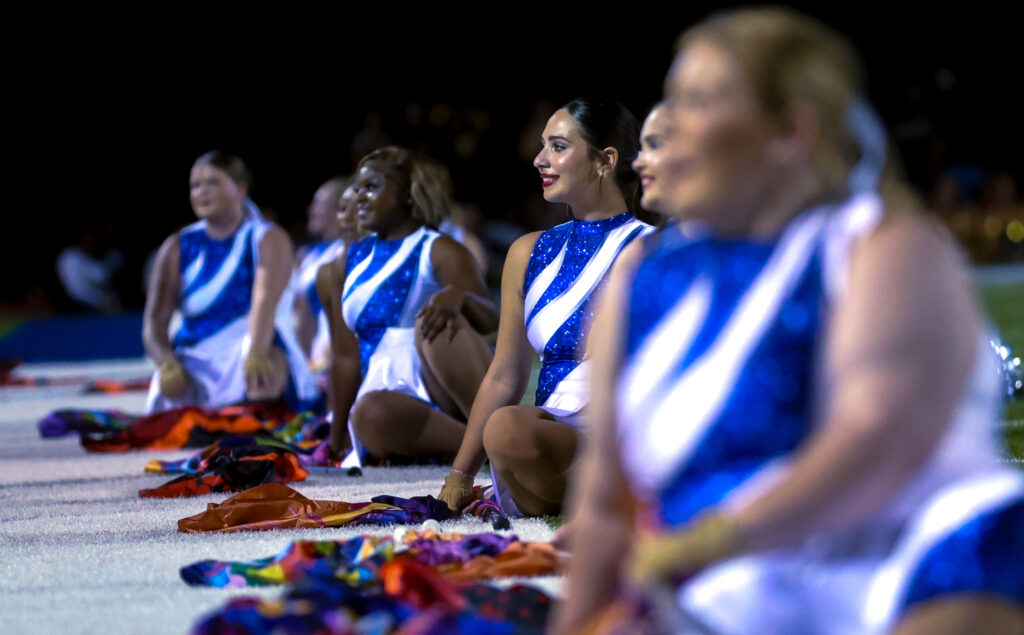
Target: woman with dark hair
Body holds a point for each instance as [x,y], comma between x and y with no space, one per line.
[548,285]
[795,411]
[406,307]
[228,275]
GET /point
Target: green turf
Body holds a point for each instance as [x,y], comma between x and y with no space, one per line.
[9,324]
[1005,304]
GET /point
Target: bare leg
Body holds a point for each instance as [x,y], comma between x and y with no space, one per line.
[390,423]
[531,453]
[454,370]
[275,387]
[966,614]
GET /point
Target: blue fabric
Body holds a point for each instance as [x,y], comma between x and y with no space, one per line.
[984,556]
[582,239]
[768,412]
[385,308]
[235,299]
[313,253]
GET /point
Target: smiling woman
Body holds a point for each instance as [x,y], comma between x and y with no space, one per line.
[548,289]
[407,308]
[228,275]
[794,410]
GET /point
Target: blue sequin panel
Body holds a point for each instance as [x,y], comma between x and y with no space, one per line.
[193,242]
[234,301]
[584,240]
[315,251]
[386,306]
[985,556]
[545,250]
[767,413]
[368,247]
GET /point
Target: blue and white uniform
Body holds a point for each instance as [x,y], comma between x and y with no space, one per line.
[216,282]
[568,264]
[304,282]
[722,382]
[386,284]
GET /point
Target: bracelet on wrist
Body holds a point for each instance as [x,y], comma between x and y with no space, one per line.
[456,470]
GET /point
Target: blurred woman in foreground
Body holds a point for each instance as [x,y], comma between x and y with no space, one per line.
[794,408]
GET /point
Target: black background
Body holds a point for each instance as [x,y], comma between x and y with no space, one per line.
[110,109]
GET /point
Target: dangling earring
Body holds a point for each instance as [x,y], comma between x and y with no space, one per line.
[600,180]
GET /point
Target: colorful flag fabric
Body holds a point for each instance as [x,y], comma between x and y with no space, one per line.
[400,594]
[276,506]
[233,464]
[357,561]
[113,431]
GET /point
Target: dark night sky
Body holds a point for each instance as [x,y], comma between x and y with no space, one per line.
[121,112]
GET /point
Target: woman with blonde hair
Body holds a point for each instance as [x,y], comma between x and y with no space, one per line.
[228,275]
[796,409]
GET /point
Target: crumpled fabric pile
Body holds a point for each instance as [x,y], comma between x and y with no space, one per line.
[276,506]
[416,582]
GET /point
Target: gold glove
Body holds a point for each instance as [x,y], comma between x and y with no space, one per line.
[457,491]
[173,378]
[258,366]
[659,557]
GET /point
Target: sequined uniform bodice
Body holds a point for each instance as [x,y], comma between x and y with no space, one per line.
[385,285]
[720,357]
[316,255]
[567,266]
[216,279]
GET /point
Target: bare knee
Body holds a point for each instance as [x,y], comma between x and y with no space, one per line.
[370,422]
[508,436]
[443,342]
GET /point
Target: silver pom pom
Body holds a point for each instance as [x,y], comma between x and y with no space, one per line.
[1011,370]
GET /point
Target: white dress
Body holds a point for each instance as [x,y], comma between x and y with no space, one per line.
[304,282]
[567,266]
[719,387]
[216,280]
[386,284]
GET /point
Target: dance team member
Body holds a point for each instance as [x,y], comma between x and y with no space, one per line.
[228,275]
[407,309]
[548,285]
[798,409]
[332,220]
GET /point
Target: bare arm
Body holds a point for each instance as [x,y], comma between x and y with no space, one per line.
[161,301]
[272,275]
[509,372]
[463,291]
[305,322]
[902,344]
[302,313]
[603,503]
[346,373]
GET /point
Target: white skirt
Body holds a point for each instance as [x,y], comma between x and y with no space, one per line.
[216,367]
[395,366]
[839,582]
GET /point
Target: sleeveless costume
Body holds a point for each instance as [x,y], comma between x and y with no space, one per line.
[386,284]
[216,282]
[721,384]
[304,282]
[568,264]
